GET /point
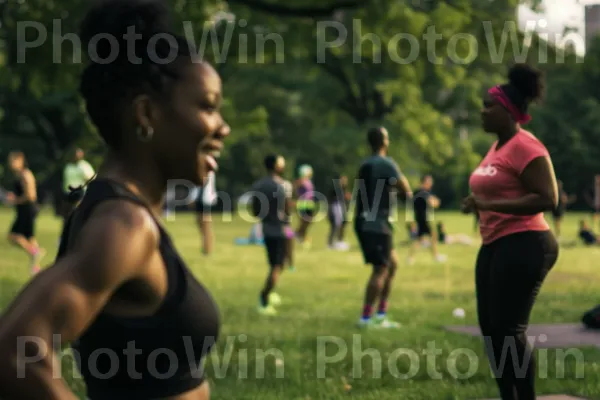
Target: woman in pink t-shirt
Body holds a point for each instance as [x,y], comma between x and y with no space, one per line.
[511,188]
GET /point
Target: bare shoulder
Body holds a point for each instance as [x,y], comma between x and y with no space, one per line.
[27,175]
[115,243]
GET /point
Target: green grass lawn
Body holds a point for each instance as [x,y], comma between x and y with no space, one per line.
[312,350]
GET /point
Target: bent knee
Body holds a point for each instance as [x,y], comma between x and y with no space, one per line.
[381,271]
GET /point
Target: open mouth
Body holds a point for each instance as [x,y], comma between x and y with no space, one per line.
[209,151]
[211,160]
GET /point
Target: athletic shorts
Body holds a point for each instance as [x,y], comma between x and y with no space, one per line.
[24,223]
[423,228]
[306,215]
[276,247]
[376,248]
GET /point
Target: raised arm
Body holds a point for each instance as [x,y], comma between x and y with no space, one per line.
[87,170]
[113,248]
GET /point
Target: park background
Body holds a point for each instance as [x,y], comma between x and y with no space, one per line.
[313,103]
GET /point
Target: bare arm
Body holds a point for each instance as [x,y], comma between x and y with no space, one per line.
[539,180]
[113,247]
[434,202]
[403,185]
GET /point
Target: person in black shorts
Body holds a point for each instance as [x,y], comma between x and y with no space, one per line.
[378,179]
[118,283]
[337,213]
[423,202]
[271,203]
[24,198]
[563,201]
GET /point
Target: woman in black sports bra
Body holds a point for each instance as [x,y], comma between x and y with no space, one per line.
[138,321]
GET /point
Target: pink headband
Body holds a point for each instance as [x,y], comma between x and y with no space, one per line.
[497,93]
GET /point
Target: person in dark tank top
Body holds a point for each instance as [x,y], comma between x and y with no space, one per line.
[271,203]
[118,284]
[24,198]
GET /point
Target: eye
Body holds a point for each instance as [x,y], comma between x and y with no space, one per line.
[208,106]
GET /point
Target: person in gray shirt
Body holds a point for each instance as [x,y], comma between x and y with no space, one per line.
[270,203]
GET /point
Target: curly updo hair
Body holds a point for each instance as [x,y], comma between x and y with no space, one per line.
[526,85]
[132,49]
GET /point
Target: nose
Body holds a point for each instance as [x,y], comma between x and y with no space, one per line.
[223,131]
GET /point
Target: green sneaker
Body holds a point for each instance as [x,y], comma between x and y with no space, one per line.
[268,310]
[274,299]
[383,322]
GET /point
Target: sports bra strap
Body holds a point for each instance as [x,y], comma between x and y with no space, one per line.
[99,190]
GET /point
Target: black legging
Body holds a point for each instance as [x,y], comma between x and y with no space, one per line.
[509,274]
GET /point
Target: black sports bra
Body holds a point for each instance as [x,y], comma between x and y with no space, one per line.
[149,357]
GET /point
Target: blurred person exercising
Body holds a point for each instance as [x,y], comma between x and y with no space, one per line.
[337,213]
[206,199]
[77,173]
[379,178]
[305,204]
[271,203]
[118,283]
[423,203]
[563,202]
[24,198]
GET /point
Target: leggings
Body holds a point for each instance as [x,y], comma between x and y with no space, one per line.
[509,274]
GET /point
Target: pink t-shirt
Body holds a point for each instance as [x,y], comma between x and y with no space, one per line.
[497,177]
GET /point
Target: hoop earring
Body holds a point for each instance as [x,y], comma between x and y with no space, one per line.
[145,135]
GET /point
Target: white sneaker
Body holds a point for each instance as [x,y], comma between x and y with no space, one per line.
[441,258]
[341,246]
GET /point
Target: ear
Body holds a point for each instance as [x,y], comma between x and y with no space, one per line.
[145,111]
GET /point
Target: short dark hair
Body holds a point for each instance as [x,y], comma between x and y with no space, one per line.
[525,86]
[375,137]
[19,155]
[104,86]
[270,162]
